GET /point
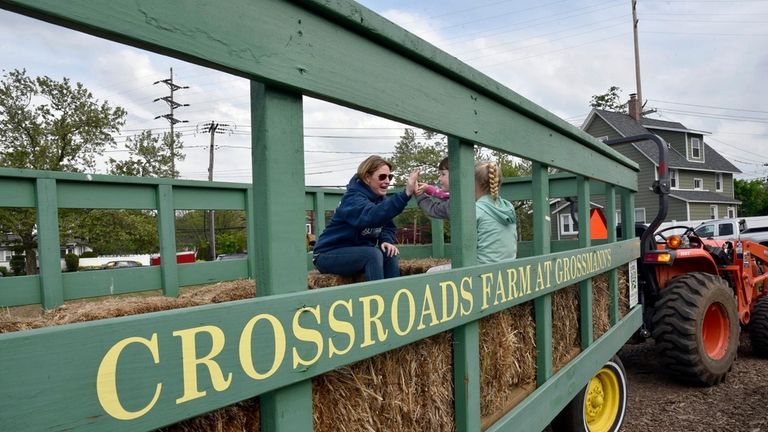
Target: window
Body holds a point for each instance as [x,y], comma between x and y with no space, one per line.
[698,184]
[640,215]
[6,255]
[695,148]
[566,225]
[673,178]
[731,212]
[707,231]
[713,212]
[725,229]
[719,182]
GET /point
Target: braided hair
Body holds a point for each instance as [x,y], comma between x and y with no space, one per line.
[488,178]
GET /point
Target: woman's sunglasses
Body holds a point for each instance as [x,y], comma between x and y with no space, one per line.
[383,177]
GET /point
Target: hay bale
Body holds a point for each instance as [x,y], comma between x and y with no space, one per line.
[507,357]
[407,389]
[315,279]
[565,325]
[239,417]
[601,298]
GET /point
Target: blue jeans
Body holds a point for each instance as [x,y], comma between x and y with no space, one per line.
[355,259]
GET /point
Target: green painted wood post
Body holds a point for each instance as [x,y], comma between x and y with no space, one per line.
[585,286]
[438,238]
[48,244]
[627,214]
[166,228]
[466,339]
[278,156]
[250,232]
[613,281]
[542,229]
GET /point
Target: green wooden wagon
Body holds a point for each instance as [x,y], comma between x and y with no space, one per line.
[142,372]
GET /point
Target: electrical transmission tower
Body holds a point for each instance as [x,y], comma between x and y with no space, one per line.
[172,104]
[213,128]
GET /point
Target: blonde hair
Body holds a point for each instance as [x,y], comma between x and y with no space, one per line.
[487,177]
[370,165]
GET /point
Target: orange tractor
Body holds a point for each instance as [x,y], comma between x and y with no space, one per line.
[697,293]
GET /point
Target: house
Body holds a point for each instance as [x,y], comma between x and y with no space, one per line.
[9,241]
[701,178]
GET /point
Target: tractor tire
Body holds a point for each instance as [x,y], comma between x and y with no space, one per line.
[598,407]
[758,328]
[696,328]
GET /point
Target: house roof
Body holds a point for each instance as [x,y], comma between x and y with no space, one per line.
[627,126]
[702,196]
[715,161]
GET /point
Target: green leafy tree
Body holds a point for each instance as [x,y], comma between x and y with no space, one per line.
[411,153]
[149,156]
[230,242]
[113,232]
[753,195]
[49,125]
[610,101]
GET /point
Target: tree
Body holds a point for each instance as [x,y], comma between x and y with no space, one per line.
[412,153]
[753,195]
[149,156]
[113,232]
[610,101]
[49,125]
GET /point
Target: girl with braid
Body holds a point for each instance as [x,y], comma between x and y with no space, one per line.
[496,219]
[495,216]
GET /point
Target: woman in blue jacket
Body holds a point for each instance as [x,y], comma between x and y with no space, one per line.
[361,234]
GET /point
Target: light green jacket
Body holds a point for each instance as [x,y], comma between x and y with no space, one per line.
[496,230]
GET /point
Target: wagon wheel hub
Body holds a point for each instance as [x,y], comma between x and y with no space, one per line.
[602,400]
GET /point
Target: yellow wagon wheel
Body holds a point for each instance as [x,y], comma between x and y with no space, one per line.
[600,406]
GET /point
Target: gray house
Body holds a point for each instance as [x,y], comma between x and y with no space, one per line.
[701,178]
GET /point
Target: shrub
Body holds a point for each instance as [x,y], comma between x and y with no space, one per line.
[4,270]
[17,263]
[89,254]
[72,261]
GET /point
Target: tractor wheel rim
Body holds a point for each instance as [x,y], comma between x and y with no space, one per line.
[602,401]
[715,331]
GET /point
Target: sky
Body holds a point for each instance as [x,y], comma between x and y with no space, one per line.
[703,63]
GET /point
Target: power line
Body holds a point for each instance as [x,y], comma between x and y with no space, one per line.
[725,117]
[709,106]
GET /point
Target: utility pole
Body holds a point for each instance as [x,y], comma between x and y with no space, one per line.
[213,128]
[171,119]
[637,63]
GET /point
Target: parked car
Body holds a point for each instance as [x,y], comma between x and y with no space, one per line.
[733,229]
[120,264]
[231,256]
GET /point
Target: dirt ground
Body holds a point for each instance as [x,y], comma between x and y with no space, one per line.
[656,402]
